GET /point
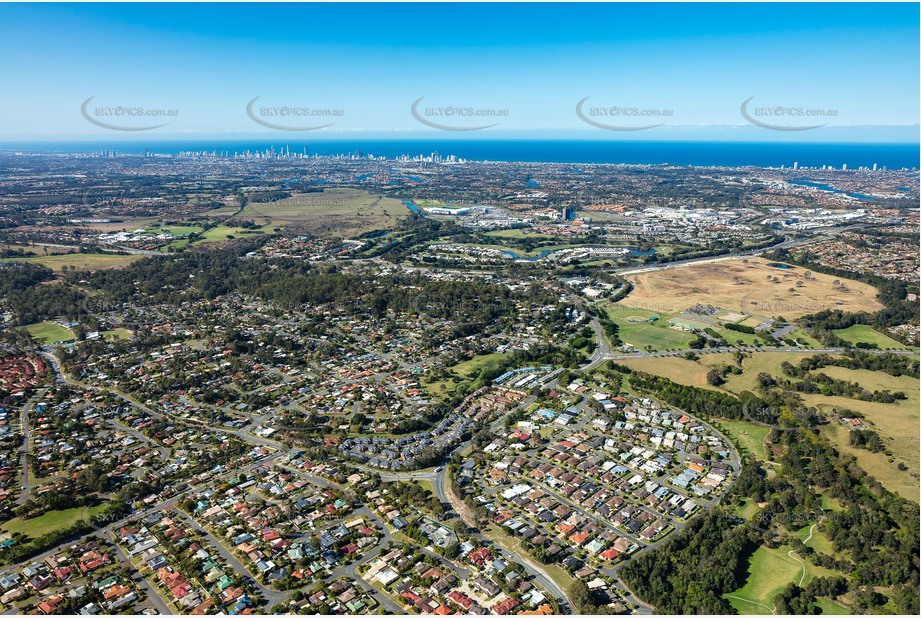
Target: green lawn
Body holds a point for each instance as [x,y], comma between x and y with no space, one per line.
[799,333]
[623,311]
[426,485]
[859,333]
[734,337]
[830,607]
[469,368]
[746,607]
[176,245]
[819,542]
[748,510]
[659,337]
[175,230]
[465,370]
[221,232]
[830,504]
[49,332]
[441,387]
[116,333]
[514,233]
[749,436]
[50,521]
[769,571]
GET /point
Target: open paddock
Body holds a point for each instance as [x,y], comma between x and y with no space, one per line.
[750,286]
[339,212]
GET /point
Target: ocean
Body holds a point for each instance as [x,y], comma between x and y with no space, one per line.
[690,153]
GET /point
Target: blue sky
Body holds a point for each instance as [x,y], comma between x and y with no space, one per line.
[694,63]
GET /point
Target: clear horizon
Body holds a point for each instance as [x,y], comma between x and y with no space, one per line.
[694,153]
[814,73]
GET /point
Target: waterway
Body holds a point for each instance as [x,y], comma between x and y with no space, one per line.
[805,182]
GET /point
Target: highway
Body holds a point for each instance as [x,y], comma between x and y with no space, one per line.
[599,358]
[786,244]
[602,346]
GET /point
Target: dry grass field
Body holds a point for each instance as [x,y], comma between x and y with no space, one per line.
[37,249]
[752,287]
[340,213]
[679,369]
[80,261]
[896,423]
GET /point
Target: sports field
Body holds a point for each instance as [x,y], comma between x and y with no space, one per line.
[49,332]
[229,232]
[654,336]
